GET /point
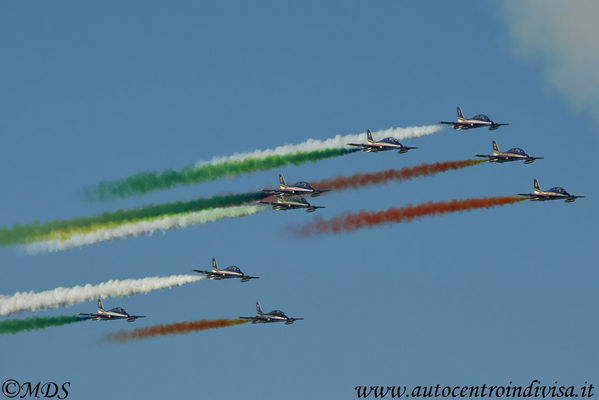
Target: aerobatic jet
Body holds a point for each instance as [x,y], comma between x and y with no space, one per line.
[227,273]
[478,121]
[273,316]
[514,154]
[291,204]
[555,193]
[297,188]
[389,143]
[115,313]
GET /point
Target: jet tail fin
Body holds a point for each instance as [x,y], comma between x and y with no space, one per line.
[214,266]
[369,134]
[460,114]
[282,180]
[100,306]
[258,309]
[495,147]
[536,185]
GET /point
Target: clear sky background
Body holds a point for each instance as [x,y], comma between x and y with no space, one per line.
[93,91]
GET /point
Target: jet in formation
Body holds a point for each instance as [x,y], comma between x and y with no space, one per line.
[555,193]
[389,143]
[227,273]
[115,313]
[478,121]
[291,204]
[514,154]
[273,316]
[297,188]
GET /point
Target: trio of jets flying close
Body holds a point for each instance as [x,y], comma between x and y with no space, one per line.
[290,197]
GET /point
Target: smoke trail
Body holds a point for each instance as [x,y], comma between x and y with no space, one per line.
[23,234]
[15,326]
[105,234]
[179,328]
[349,222]
[378,178]
[241,163]
[66,297]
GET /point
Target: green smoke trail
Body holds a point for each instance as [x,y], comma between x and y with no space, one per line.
[146,182]
[23,234]
[15,326]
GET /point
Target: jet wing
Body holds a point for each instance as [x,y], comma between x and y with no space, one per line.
[89,316]
[484,156]
[254,319]
[246,278]
[132,318]
[202,272]
[448,123]
[270,203]
[359,145]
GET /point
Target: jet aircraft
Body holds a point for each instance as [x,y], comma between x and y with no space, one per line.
[514,154]
[273,316]
[297,188]
[115,313]
[291,204]
[555,193]
[478,121]
[389,143]
[227,273]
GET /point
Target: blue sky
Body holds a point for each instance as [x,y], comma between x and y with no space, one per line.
[92,92]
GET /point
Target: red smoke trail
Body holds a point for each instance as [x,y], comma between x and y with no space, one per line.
[178,328]
[350,222]
[378,178]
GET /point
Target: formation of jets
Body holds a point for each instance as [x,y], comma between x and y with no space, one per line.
[273,316]
[115,313]
[478,121]
[299,188]
[555,193]
[231,272]
[389,143]
[513,154]
[292,203]
[290,197]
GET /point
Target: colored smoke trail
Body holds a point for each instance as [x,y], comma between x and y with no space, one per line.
[349,222]
[178,328]
[23,234]
[137,228]
[66,297]
[14,326]
[145,182]
[378,178]
[311,150]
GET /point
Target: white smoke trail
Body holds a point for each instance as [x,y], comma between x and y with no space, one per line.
[142,227]
[336,142]
[66,297]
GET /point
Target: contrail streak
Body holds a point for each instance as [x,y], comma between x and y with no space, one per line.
[14,326]
[349,222]
[179,328]
[242,163]
[106,234]
[23,234]
[66,297]
[378,178]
